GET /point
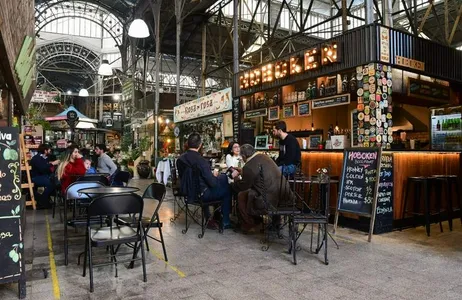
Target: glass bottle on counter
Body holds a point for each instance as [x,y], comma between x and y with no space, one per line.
[308,92]
[322,89]
[313,90]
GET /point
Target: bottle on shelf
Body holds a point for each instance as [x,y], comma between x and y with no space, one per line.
[308,92]
[274,102]
[313,90]
[438,126]
[265,100]
[353,83]
[345,84]
[330,132]
[322,89]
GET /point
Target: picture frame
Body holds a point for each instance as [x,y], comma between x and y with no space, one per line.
[273,113]
[288,111]
[314,141]
[261,142]
[304,109]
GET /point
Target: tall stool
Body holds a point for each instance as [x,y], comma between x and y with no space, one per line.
[425,185]
[449,184]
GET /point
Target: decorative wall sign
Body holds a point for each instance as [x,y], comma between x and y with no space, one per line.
[214,103]
[428,90]
[314,141]
[236,119]
[25,65]
[312,59]
[281,69]
[273,113]
[331,101]
[45,97]
[304,108]
[296,65]
[288,111]
[329,53]
[267,72]
[384,44]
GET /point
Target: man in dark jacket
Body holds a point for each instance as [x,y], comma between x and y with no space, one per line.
[212,186]
[253,190]
[289,149]
[41,171]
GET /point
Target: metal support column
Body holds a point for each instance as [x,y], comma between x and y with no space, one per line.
[179,5]
[156,13]
[387,6]
[344,16]
[235,40]
[369,11]
[204,58]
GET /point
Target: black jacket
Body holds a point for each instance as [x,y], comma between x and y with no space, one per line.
[40,166]
[185,164]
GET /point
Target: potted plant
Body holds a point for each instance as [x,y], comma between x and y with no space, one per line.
[143,167]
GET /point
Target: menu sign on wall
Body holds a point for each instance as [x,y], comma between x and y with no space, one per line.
[359,183]
[428,90]
[330,101]
[261,112]
[384,44]
[11,208]
[214,103]
[236,119]
[384,212]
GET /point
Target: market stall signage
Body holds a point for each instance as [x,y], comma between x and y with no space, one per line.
[25,64]
[46,97]
[236,119]
[359,183]
[214,103]
[409,63]
[384,44]
[11,207]
[424,89]
[330,101]
[261,112]
[127,90]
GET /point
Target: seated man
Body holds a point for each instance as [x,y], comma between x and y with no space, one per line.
[41,172]
[213,187]
[251,189]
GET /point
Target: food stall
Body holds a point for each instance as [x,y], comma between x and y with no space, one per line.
[211,116]
[366,88]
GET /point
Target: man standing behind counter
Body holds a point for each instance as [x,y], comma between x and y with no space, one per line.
[289,149]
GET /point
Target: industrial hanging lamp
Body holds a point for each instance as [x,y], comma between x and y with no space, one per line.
[105,68]
[138,29]
[83,93]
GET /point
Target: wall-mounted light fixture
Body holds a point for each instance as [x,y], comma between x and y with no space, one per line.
[329,54]
[296,65]
[311,59]
[267,72]
[281,69]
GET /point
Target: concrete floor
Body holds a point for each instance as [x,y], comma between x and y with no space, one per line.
[398,265]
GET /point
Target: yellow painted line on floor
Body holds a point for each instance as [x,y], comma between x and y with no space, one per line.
[54,274]
[160,257]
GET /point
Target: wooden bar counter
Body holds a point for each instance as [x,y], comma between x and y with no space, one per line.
[406,163]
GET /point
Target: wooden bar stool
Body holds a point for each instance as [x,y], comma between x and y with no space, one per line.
[449,185]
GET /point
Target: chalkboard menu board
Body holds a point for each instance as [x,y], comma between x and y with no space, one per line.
[425,89]
[261,112]
[11,209]
[330,101]
[359,183]
[384,212]
[236,119]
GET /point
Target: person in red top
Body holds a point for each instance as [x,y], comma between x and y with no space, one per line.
[70,168]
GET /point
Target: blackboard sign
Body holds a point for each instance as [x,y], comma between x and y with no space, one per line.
[424,89]
[359,183]
[11,209]
[384,212]
[261,112]
[330,101]
[236,119]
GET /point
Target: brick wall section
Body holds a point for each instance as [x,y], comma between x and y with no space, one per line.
[16,21]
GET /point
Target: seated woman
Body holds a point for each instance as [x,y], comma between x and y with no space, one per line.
[71,168]
[233,158]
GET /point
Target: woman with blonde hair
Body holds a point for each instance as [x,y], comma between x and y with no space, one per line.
[70,168]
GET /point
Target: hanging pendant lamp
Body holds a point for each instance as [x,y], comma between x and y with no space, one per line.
[105,68]
[83,93]
[138,29]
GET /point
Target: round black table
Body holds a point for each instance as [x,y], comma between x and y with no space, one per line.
[109,190]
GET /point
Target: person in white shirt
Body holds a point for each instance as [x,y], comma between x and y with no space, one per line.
[233,158]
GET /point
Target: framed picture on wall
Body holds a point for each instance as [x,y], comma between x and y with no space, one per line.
[304,109]
[273,113]
[228,124]
[288,111]
[314,141]
[261,142]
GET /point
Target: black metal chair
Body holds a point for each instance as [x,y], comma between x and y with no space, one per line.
[155,191]
[314,212]
[94,178]
[286,208]
[109,236]
[121,176]
[199,204]
[78,200]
